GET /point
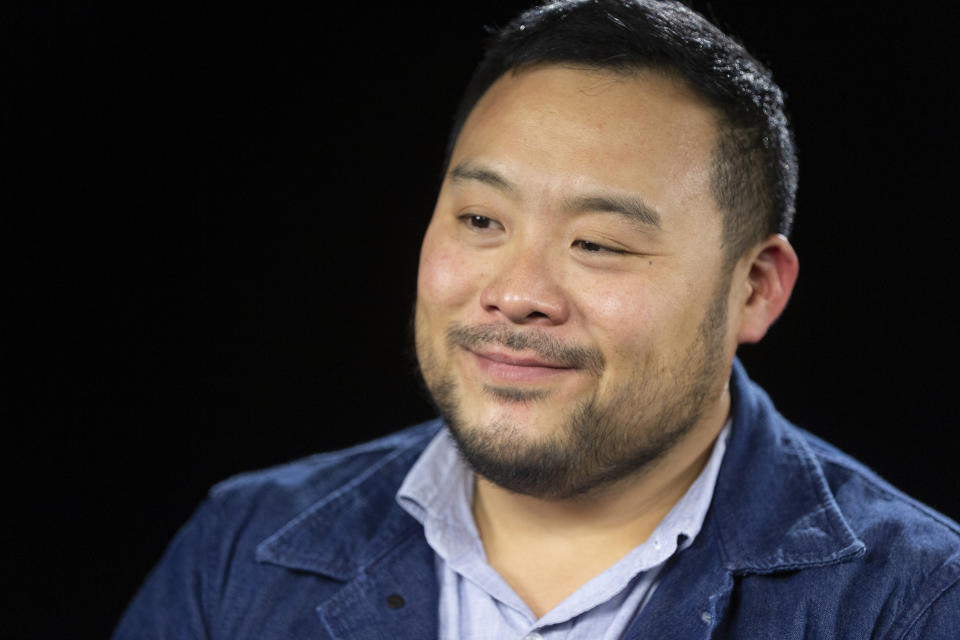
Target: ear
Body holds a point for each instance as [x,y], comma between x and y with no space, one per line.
[771,271]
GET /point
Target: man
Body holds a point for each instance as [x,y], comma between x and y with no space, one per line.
[611,226]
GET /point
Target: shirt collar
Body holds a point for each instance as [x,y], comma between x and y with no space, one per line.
[438,492]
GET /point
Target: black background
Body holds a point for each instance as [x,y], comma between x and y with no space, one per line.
[214,240]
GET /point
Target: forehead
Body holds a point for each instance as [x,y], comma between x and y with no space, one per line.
[553,129]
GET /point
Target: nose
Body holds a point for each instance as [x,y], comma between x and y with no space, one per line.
[524,289]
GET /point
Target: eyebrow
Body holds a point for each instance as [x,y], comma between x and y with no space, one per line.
[632,207]
[629,206]
[466,171]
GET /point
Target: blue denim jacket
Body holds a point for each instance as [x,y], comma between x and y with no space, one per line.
[801,541]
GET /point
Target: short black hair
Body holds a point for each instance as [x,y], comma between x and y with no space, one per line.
[754,176]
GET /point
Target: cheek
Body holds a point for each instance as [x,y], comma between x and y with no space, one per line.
[620,309]
[446,278]
[633,315]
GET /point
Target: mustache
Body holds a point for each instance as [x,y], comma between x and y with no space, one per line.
[540,342]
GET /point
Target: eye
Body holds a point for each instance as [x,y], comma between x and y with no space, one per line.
[593,247]
[475,221]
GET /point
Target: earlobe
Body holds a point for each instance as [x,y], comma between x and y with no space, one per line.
[770,277]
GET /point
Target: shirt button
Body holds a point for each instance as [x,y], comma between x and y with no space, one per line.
[533,636]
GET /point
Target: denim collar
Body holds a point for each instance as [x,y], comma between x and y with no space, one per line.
[772,509]
[350,529]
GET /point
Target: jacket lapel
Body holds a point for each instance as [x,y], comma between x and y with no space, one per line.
[395,597]
[359,536]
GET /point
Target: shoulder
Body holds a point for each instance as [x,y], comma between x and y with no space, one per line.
[808,475]
[206,577]
[811,528]
[876,510]
[911,557]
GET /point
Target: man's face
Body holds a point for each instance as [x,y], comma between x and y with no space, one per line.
[571,317]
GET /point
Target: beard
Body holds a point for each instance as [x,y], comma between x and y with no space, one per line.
[600,442]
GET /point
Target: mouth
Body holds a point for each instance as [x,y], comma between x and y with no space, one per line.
[515,367]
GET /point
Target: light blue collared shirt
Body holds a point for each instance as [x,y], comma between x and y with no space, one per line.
[477,604]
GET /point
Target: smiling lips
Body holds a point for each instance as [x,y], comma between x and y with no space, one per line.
[511,367]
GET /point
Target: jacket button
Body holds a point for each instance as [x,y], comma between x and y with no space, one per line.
[395,601]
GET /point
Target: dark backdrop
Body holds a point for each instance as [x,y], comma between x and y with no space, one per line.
[215,239]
